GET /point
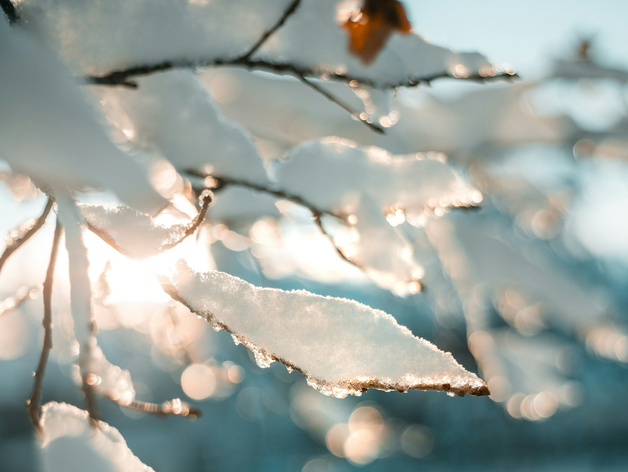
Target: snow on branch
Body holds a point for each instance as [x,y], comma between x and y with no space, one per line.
[24,232]
[136,234]
[132,38]
[59,154]
[70,443]
[341,346]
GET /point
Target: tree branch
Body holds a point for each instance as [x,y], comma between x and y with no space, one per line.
[289,11]
[9,10]
[220,183]
[33,405]
[15,244]
[206,198]
[341,104]
[122,77]
[175,407]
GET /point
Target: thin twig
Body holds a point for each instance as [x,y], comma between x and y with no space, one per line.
[174,407]
[9,10]
[33,405]
[319,223]
[122,77]
[206,198]
[220,183]
[15,244]
[343,105]
[289,11]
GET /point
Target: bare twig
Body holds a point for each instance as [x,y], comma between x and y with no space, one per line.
[206,198]
[9,10]
[319,223]
[174,407]
[33,405]
[354,113]
[122,77]
[289,11]
[16,243]
[220,183]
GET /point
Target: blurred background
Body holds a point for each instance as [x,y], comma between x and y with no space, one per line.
[529,291]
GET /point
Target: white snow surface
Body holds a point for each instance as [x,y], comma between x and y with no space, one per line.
[341,346]
[111,381]
[80,288]
[173,113]
[137,234]
[332,173]
[100,36]
[49,131]
[72,444]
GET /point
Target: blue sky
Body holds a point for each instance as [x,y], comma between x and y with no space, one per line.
[525,33]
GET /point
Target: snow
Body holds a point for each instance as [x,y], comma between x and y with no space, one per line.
[332,173]
[138,235]
[341,346]
[72,152]
[173,114]
[108,380]
[71,444]
[487,116]
[108,35]
[72,221]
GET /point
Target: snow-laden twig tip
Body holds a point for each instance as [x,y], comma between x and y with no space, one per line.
[341,346]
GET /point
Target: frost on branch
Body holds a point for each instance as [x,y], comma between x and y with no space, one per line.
[341,346]
[72,444]
[50,133]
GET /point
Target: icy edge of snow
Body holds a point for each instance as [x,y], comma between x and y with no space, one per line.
[458,385]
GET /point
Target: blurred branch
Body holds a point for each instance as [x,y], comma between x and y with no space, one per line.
[123,77]
[289,11]
[9,10]
[206,198]
[175,407]
[219,183]
[15,244]
[341,104]
[33,405]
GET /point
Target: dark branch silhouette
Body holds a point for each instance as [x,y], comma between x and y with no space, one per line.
[9,10]
[123,77]
[16,243]
[341,104]
[33,405]
[289,11]
[219,183]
